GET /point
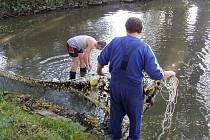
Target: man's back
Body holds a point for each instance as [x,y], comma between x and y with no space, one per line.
[139,56]
[80,41]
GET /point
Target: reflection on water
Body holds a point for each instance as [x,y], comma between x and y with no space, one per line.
[116,22]
[178,31]
[49,68]
[191,21]
[204,81]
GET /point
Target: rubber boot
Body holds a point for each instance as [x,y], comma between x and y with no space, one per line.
[83,72]
[72,75]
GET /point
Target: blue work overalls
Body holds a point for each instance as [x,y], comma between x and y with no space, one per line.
[128,57]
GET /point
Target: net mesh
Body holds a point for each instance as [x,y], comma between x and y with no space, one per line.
[170,87]
[167,88]
[96,89]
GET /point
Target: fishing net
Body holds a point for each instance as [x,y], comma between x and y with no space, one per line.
[169,87]
[96,90]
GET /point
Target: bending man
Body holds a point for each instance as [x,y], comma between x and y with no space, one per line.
[80,47]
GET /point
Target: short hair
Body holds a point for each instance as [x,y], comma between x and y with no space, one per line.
[133,24]
[102,43]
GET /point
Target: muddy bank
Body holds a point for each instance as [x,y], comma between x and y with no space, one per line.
[27,7]
[41,111]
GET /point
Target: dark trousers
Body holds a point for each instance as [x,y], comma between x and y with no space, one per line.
[126,99]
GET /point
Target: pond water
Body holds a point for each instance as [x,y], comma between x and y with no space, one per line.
[178,31]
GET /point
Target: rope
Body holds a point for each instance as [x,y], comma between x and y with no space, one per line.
[169,86]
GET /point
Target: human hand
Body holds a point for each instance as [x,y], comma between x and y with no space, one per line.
[100,70]
[169,74]
[89,67]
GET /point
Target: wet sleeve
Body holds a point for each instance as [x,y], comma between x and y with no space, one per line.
[105,54]
[151,65]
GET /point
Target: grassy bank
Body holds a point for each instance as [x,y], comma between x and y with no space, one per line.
[13,8]
[16,123]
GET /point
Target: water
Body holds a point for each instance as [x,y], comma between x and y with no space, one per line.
[178,31]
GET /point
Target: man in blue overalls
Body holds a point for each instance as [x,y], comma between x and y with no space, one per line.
[128,58]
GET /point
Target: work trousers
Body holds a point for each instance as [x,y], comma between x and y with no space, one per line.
[126,99]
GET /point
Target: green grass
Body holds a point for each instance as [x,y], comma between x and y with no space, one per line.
[17,124]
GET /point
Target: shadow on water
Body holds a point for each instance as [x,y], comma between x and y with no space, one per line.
[178,31]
